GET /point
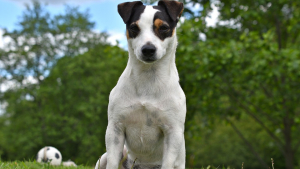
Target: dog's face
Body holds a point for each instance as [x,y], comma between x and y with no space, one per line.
[150,29]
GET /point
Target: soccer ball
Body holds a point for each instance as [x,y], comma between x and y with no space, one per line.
[50,155]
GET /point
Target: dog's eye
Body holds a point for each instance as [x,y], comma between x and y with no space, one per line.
[134,28]
[164,28]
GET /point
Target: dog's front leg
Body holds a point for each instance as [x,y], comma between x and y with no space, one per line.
[174,148]
[114,140]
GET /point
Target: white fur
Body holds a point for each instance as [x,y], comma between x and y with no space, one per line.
[148,105]
[69,163]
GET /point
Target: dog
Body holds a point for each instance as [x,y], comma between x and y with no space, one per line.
[147,107]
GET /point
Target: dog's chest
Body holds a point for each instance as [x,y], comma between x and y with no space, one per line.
[145,111]
[143,131]
[142,121]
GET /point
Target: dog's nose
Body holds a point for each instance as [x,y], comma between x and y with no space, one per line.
[148,50]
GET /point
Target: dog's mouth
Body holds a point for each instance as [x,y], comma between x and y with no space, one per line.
[149,59]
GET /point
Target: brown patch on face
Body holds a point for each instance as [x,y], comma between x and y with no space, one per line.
[127,34]
[133,30]
[161,29]
[158,23]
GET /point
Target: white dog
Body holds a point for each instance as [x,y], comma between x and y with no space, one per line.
[147,107]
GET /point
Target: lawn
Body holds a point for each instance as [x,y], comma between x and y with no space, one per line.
[34,165]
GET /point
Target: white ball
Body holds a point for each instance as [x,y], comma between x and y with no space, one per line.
[50,155]
[69,163]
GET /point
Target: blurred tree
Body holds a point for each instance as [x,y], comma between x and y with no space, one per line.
[41,39]
[73,108]
[149,2]
[75,99]
[248,16]
[248,63]
[25,62]
[221,146]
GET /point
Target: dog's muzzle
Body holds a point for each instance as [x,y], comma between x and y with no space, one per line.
[149,52]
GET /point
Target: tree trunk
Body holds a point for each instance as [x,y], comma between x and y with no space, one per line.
[289,153]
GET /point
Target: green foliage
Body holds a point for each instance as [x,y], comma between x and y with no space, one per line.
[244,70]
[55,100]
[41,39]
[221,146]
[69,111]
[148,1]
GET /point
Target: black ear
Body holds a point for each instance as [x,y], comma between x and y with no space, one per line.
[125,9]
[174,8]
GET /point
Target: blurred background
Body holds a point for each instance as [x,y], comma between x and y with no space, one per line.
[238,60]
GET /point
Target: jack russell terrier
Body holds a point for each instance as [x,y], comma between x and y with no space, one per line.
[147,107]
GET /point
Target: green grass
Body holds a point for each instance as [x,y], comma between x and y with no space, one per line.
[34,165]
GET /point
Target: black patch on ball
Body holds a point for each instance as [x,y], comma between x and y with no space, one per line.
[57,155]
[45,160]
[48,148]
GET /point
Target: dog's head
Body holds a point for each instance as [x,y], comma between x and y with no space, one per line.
[150,30]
